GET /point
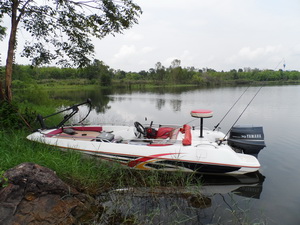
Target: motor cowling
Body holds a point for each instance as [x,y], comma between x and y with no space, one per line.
[249,139]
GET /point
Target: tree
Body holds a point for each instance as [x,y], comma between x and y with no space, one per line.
[120,74]
[160,71]
[62,29]
[175,63]
[98,70]
[175,71]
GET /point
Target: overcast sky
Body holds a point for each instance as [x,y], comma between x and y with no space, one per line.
[217,34]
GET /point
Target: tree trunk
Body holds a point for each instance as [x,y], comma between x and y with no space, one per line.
[2,98]
[10,52]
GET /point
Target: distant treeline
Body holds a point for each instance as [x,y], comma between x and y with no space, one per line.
[98,72]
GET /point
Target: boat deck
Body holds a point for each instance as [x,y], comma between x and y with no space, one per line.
[79,135]
[125,136]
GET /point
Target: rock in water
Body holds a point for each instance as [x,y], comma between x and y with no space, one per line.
[35,195]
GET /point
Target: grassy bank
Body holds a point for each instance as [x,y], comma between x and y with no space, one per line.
[67,83]
[85,84]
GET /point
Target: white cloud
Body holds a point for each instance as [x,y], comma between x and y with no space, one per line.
[133,36]
[186,55]
[257,56]
[131,50]
[146,49]
[251,54]
[125,51]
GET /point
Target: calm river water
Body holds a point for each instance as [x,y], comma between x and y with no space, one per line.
[270,197]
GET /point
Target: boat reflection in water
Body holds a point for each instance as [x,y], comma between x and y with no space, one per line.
[248,185]
[201,204]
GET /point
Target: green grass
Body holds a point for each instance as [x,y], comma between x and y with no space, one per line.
[69,85]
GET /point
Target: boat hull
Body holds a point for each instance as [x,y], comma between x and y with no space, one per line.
[203,155]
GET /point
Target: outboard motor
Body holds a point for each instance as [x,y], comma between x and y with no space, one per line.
[248,139]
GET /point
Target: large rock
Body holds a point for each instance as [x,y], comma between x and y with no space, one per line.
[35,195]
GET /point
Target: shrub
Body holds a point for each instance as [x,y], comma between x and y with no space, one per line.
[12,118]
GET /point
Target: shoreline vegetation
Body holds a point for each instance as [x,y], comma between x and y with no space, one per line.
[98,73]
[86,174]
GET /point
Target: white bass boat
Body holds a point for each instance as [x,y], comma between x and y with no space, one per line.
[160,147]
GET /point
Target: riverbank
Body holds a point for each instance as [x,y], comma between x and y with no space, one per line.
[86,84]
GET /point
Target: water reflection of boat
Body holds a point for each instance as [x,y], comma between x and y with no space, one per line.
[165,147]
[168,205]
[247,185]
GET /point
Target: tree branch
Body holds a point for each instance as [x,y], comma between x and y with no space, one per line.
[22,10]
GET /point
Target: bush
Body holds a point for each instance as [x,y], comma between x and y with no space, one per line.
[19,84]
[12,118]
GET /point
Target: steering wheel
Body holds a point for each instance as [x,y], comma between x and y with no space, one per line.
[140,129]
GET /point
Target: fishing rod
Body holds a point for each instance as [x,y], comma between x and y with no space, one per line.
[215,127]
[241,114]
[248,103]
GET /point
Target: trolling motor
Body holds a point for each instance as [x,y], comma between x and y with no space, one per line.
[74,109]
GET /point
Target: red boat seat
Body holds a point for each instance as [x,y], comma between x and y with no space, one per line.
[97,129]
[164,132]
[187,140]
